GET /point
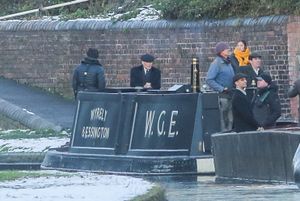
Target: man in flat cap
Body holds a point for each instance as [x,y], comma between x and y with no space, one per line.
[243,118]
[219,78]
[266,105]
[145,75]
[252,71]
[89,75]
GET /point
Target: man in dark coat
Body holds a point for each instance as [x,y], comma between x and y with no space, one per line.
[266,108]
[89,75]
[243,119]
[252,71]
[145,75]
[295,89]
[293,92]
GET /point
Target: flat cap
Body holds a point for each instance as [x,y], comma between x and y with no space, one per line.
[238,76]
[266,77]
[254,55]
[147,58]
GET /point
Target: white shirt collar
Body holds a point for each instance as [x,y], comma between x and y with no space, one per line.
[241,90]
[256,70]
[146,70]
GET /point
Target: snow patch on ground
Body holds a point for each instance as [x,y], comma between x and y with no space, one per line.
[64,186]
[76,187]
[32,145]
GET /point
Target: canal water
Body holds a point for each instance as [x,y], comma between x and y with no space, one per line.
[205,188]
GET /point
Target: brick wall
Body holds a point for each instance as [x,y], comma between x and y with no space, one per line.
[44,53]
[293,30]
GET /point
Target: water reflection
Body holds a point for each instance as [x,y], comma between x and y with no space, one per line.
[204,188]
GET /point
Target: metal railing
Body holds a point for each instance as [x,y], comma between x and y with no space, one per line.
[42,9]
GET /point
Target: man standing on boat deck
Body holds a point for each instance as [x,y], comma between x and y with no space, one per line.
[266,105]
[219,78]
[243,119]
[252,71]
[89,75]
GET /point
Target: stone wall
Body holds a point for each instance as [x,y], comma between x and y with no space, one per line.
[44,53]
[264,156]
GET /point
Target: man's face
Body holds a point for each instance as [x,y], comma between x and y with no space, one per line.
[147,65]
[225,53]
[255,62]
[241,83]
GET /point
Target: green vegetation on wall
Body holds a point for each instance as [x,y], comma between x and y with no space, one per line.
[219,9]
[171,9]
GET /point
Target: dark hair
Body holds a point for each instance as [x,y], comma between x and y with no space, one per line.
[244,42]
[92,53]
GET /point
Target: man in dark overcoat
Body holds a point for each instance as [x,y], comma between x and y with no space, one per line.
[145,75]
[266,106]
[252,71]
[89,75]
[293,92]
[243,119]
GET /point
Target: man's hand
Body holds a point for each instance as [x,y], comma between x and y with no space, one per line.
[260,129]
[147,85]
